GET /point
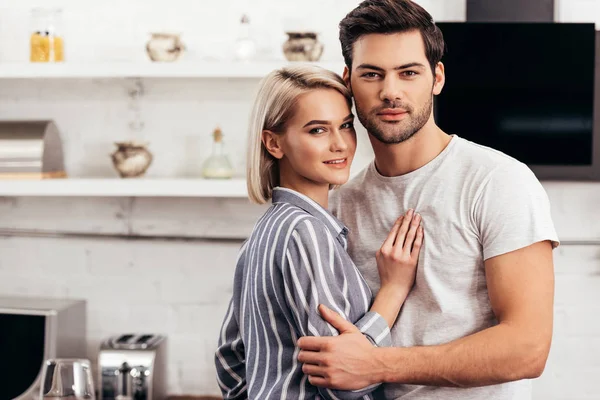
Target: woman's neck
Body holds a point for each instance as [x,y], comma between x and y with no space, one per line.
[316,192]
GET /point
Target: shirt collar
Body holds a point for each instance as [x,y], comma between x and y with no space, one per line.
[285,195]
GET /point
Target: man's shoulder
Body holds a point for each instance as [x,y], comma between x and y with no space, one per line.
[484,163]
[474,154]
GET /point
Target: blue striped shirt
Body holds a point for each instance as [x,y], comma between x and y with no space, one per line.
[294,260]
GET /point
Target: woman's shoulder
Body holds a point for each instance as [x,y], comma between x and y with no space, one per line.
[287,220]
[281,218]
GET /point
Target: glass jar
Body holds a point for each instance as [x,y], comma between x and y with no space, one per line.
[245,47]
[46,41]
[217,166]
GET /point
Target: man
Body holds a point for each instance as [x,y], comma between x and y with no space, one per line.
[478,321]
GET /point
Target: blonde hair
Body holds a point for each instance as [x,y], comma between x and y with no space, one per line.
[273,107]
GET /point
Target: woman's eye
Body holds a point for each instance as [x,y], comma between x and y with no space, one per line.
[316,131]
[348,125]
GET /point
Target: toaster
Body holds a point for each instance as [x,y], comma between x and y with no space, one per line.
[133,367]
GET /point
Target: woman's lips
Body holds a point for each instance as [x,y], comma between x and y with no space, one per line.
[339,163]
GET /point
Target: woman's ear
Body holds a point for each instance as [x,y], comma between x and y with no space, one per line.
[272,143]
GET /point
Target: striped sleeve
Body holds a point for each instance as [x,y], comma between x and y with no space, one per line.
[313,275]
[230,359]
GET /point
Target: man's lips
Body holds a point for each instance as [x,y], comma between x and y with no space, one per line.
[392,115]
[394,111]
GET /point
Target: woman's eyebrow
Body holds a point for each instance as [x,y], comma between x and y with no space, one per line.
[324,122]
[317,122]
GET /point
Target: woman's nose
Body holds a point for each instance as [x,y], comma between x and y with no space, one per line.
[338,143]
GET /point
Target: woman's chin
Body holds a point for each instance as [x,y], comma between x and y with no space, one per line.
[338,181]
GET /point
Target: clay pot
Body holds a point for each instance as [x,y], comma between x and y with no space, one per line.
[164,47]
[131,159]
[302,46]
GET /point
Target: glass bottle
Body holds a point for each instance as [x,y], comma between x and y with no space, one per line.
[245,47]
[217,166]
[46,40]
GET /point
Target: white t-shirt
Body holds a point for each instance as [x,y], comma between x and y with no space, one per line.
[476,203]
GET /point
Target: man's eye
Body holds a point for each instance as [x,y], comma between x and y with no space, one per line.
[316,131]
[410,73]
[370,75]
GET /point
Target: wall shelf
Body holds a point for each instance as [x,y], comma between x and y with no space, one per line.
[148,70]
[140,187]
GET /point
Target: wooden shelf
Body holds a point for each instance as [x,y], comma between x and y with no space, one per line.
[148,70]
[137,187]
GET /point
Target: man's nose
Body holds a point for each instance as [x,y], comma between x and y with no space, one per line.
[391,90]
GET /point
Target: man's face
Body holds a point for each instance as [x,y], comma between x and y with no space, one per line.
[393,85]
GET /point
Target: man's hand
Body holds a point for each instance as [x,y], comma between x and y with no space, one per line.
[342,362]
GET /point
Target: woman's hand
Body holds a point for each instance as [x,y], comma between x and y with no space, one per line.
[397,258]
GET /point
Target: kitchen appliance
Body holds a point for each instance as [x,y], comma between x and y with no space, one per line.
[507,88]
[133,367]
[33,330]
[30,150]
[511,10]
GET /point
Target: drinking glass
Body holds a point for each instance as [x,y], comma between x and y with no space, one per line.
[67,379]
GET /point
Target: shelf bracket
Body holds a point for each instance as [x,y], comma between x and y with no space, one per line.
[135,92]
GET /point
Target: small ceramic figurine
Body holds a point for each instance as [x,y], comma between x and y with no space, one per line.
[164,47]
[131,159]
[302,46]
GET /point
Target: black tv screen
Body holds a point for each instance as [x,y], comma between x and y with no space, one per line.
[526,89]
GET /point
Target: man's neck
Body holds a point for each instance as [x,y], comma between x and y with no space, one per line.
[402,158]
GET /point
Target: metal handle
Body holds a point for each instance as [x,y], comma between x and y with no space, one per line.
[124,383]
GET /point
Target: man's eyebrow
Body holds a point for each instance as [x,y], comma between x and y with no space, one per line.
[369,66]
[400,67]
[323,122]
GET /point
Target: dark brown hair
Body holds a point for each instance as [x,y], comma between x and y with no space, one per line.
[391,16]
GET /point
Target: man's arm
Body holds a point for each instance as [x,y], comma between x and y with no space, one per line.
[521,289]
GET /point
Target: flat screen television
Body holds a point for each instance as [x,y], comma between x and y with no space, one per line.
[528,90]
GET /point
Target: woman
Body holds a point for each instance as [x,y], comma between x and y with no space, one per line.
[301,144]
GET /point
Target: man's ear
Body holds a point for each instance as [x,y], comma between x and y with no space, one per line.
[346,78]
[272,143]
[440,79]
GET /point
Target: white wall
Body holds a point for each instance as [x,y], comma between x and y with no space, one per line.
[578,11]
[181,288]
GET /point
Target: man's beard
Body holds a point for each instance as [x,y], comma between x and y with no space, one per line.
[400,131]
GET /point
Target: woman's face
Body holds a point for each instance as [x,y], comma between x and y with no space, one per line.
[319,142]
